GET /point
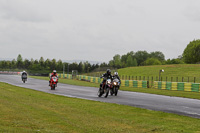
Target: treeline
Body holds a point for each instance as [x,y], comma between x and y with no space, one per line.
[130,59]
[46,66]
[142,58]
[191,55]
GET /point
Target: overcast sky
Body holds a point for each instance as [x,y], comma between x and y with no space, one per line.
[96,30]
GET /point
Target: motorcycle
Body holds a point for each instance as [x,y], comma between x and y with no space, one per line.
[115,87]
[105,88]
[24,78]
[53,82]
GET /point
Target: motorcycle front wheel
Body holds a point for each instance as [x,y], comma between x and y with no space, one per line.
[100,92]
[112,91]
[53,87]
[107,92]
[116,91]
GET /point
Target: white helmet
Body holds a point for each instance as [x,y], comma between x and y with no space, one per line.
[116,73]
[54,71]
[24,71]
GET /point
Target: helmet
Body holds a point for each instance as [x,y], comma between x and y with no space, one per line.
[108,71]
[116,73]
[54,71]
[24,71]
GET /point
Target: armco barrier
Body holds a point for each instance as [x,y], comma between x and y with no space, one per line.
[68,76]
[178,86]
[89,78]
[135,83]
[125,83]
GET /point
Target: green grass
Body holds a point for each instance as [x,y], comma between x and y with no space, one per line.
[193,95]
[178,70]
[26,110]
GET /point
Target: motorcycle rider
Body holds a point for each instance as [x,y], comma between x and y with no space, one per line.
[116,76]
[54,73]
[24,75]
[106,75]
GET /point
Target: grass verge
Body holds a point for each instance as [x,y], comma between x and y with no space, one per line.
[24,110]
[193,95]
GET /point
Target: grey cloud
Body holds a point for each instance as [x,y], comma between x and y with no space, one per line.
[192,13]
[22,11]
[95,30]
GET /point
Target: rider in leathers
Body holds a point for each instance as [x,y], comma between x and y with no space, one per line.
[105,76]
[24,74]
[116,76]
[53,74]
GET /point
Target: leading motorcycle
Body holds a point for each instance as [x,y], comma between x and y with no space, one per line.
[53,82]
[115,87]
[105,88]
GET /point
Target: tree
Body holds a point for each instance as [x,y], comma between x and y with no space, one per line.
[80,67]
[158,55]
[59,66]
[53,64]
[111,63]
[117,61]
[141,56]
[13,64]
[191,53]
[19,62]
[36,62]
[134,62]
[174,61]
[47,64]
[152,61]
[27,63]
[130,61]
[41,62]
[125,57]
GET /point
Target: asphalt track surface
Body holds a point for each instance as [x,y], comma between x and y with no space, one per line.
[177,105]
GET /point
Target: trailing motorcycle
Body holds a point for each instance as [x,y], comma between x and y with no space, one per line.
[105,88]
[53,82]
[24,78]
[115,87]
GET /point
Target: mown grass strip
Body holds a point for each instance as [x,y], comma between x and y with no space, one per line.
[193,95]
[24,110]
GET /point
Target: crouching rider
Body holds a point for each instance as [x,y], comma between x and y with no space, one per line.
[54,73]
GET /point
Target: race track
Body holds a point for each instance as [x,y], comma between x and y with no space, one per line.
[177,105]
